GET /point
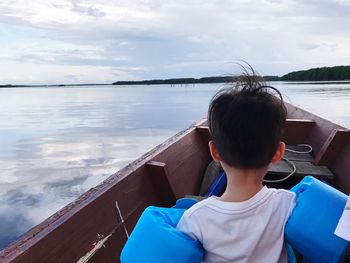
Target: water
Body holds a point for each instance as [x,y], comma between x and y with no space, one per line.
[57,143]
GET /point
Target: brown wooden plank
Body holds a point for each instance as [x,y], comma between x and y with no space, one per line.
[114,245]
[318,136]
[340,167]
[204,133]
[160,178]
[320,131]
[332,147]
[282,168]
[297,130]
[186,162]
[106,254]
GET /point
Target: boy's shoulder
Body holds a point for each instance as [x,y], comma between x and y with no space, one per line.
[282,196]
[283,193]
[191,221]
[285,199]
[198,206]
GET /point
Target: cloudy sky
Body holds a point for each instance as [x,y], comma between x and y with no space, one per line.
[100,41]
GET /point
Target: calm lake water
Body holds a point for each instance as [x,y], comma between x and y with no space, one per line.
[56,143]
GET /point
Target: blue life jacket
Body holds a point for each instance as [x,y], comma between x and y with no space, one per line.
[310,228]
[156,239]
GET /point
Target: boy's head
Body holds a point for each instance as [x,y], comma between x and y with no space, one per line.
[246,123]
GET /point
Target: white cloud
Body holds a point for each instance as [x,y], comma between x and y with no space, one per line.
[36,73]
[160,36]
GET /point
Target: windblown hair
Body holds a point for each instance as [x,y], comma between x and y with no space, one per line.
[246,122]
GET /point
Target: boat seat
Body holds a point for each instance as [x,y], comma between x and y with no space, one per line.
[304,166]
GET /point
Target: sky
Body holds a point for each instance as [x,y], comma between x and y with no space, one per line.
[102,41]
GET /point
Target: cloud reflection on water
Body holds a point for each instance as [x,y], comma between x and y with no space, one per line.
[37,184]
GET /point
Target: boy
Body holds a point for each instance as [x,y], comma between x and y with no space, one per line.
[245,224]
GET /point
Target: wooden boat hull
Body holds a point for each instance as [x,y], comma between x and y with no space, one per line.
[107,213]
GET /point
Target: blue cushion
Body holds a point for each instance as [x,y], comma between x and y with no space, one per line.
[291,256]
[310,229]
[156,239]
[217,187]
[185,203]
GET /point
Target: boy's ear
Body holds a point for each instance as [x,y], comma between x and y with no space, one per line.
[213,151]
[279,153]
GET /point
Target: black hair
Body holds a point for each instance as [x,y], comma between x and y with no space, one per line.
[246,122]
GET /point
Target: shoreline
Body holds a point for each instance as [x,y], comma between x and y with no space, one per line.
[147,83]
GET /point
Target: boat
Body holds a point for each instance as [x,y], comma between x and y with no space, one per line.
[95,227]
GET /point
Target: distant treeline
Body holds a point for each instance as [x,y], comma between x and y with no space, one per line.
[187,80]
[13,86]
[176,81]
[314,74]
[319,74]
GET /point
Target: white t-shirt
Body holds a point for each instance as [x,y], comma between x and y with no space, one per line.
[248,231]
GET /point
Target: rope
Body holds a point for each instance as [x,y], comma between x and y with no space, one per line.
[284,178]
[304,145]
[290,163]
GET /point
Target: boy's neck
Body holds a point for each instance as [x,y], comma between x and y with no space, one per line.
[242,184]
